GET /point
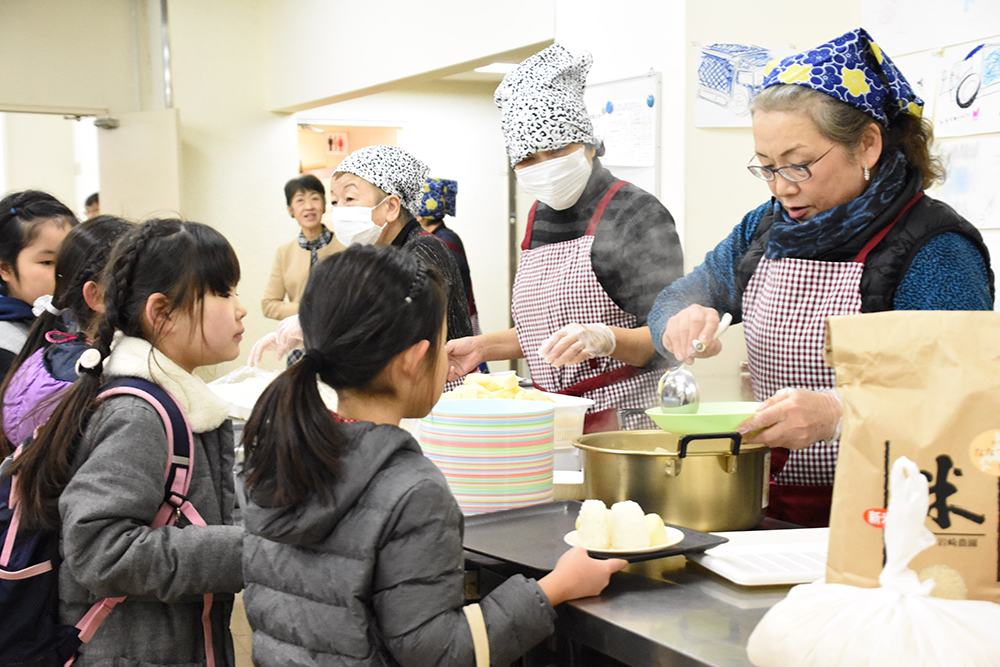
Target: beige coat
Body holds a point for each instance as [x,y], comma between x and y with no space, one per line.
[289,275]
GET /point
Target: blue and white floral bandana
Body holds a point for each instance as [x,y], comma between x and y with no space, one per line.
[439,198]
[541,103]
[852,69]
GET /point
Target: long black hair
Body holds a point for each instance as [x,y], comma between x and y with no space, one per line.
[360,309]
[181,260]
[21,217]
[81,259]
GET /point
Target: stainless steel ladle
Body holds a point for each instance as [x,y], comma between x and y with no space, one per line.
[677,388]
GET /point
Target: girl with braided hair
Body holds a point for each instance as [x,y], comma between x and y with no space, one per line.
[353,552]
[43,368]
[32,225]
[95,470]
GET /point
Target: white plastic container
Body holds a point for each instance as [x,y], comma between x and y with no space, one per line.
[569,414]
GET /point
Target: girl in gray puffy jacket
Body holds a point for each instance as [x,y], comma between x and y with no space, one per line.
[95,470]
[353,552]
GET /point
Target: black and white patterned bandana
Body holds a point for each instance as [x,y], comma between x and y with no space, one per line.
[541,103]
[392,169]
[321,241]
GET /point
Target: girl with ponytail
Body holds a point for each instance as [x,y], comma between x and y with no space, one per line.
[95,470]
[42,369]
[348,524]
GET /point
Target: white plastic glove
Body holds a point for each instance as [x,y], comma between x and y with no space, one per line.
[577,342]
[284,340]
[795,418]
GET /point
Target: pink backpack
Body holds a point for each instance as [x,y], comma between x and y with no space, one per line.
[29,627]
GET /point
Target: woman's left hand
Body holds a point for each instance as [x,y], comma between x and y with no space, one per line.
[575,343]
[794,418]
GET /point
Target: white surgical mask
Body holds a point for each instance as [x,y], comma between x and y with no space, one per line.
[353,224]
[558,182]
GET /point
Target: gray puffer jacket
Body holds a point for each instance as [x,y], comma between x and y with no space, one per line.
[375,576]
[108,547]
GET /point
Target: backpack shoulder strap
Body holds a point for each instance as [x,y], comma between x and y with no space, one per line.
[177,475]
[176,480]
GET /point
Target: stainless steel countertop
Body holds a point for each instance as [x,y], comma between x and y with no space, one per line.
[663,612]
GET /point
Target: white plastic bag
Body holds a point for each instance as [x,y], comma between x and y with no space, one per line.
[898,624]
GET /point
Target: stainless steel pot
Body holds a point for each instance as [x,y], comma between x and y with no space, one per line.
[704,482]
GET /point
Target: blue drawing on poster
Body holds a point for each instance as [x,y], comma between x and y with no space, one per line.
[730,75]
[976,75]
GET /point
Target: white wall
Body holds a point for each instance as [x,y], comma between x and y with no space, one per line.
[326,51]
[38,154]
[64,55]
[235,155]
[635,38]
[455,128]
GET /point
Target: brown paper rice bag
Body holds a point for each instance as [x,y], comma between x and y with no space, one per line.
[925,385]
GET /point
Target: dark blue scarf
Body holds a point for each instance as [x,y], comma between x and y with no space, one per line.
[14,309]
[834,227]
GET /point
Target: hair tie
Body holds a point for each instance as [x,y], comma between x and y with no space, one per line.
[417,284]
[90,362]
[43,304]
[315,356]
[12,211]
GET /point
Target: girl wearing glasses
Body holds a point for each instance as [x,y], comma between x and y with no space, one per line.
[840,142]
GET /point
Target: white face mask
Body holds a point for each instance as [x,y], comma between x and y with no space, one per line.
[353,224]
[558,182]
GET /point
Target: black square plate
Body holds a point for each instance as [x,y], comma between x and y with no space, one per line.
[533,536]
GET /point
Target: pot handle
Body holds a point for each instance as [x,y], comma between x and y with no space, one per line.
[736,438]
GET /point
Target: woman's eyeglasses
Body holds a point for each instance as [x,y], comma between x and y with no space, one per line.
[796,173]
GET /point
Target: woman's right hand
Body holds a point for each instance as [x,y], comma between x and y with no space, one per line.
[464,357]
[577,575]
[693,323]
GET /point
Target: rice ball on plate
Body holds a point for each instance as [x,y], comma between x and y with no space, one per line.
[593,531]
[628,526]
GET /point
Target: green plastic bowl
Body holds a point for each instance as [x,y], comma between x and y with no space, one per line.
[709,418]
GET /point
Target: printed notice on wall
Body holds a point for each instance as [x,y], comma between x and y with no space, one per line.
[628,129]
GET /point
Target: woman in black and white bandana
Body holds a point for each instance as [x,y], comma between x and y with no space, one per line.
[596,253]
[375,194]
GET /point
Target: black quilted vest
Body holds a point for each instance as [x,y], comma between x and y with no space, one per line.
[888,261]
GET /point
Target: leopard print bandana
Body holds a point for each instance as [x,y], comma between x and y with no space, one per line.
[392,169]
[541,103]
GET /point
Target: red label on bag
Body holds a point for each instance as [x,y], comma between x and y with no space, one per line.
[875,517]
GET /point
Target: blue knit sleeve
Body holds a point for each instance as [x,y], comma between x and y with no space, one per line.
[948,273]
[712,283]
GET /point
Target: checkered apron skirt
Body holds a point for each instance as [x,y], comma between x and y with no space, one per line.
[556,285]
[785,307]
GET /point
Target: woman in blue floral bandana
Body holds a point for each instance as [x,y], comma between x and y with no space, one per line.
[840,141]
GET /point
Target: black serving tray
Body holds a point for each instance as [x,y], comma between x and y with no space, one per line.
[533,536]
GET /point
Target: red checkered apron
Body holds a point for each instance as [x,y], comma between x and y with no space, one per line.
[785,307]
[556,285]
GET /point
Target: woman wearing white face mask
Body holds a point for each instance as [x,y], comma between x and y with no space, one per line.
[596,253]
[375,194]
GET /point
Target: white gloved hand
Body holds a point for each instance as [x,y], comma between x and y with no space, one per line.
[575,343]
[284,340]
